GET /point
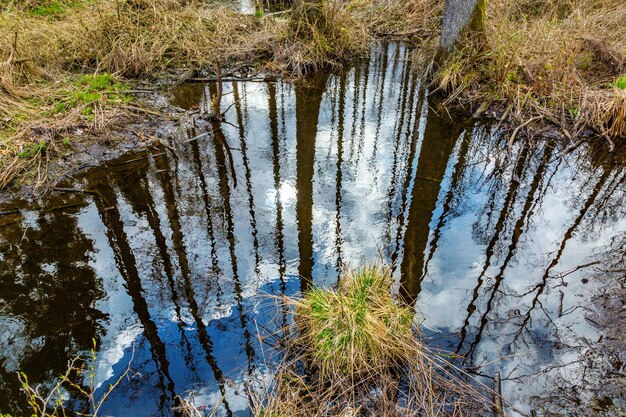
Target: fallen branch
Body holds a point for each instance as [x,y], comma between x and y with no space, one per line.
[230,79]
[142,110]
[518,128]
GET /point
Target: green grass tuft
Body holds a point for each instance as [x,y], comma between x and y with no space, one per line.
[355,352]
[358,327]
[32,150]
[52,9]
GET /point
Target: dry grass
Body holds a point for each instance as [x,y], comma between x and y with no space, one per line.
[412,20]
[319,35]
[555,60]
[357,327]
[50,42]
[355,351]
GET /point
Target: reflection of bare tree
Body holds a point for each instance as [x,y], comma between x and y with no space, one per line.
[180,249]
[440,136]
[509,201]
[363,111]
[516,234]
[455,184]
[48,298]
[380,91]
[127,266]
[248,175]
[401,105]
[308,100]
[338,178]
[609,207]
[221,150]
[136,191]
[208,213]
[355,109]
[280,237]
[408,178]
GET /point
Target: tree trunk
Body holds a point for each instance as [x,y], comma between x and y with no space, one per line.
[461,17]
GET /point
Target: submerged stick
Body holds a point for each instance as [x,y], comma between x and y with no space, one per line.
[86,191]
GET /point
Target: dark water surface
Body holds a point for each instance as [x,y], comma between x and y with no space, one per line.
[168,256]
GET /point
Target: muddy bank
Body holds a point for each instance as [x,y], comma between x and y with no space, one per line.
[85,151]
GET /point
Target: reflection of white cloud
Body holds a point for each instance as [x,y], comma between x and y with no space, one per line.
[30,219]
[50,268]
[114,350]
[286,194]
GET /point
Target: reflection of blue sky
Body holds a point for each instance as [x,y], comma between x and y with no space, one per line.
[190,369]
[458,262]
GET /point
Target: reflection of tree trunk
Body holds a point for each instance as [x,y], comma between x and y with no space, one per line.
[248,176]
[382,74]
[355,108]
[216,99]
[195,148]
[509,202]
[517,233]
[280,239]
[363,111]
[338,179]
[308,101]
[455,180]
[398,129]
[407,180]
[127,266]
[181,252]
[137,193]
[440,136]
[221,153]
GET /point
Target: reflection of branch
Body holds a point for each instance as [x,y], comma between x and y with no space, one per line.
[571,271]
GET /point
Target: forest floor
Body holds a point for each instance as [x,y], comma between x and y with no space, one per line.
[81,77]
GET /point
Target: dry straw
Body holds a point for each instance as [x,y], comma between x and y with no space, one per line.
[356,351]
[559,61]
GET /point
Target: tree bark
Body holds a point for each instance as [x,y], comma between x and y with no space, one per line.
[460,18]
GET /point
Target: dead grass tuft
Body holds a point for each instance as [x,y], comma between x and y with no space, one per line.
[558,60]
[319,34]
[403,19]
[356,352]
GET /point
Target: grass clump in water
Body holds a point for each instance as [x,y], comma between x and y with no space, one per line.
[356,352]
[358,327]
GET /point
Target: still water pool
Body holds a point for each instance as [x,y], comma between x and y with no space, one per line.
[167,257]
